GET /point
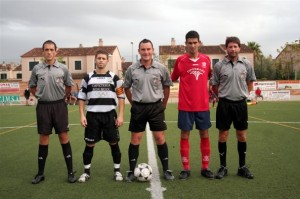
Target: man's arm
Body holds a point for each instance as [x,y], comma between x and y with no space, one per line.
[83,120]
[215,90]
[166,91]
[33,90]
[250,86]
[67,91]
[128,95]
[120,119]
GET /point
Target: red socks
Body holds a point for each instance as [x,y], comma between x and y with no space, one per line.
[205,151]
[185,153]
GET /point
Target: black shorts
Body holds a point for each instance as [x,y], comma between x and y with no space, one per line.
[52,114]
[235,112]
[101,126]
[141,113]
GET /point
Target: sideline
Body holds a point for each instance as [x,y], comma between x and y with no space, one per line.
[155,189]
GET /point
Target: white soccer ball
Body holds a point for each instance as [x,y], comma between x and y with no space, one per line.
[143,172]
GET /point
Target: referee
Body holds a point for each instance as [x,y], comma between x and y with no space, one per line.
[50,83]
[147,87]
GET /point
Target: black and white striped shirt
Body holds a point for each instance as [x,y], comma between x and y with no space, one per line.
[102,91]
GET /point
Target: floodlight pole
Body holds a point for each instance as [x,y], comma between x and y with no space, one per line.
[131,52]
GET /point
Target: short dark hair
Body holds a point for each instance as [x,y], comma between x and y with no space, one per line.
[192,34]
[234,40]
[50,42]
[101,52]
[145,41]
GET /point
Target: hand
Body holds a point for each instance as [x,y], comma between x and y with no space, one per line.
[119,122]
[83,121]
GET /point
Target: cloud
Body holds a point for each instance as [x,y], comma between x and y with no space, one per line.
[25,24]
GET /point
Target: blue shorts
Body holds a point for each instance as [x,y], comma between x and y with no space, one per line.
[187,119]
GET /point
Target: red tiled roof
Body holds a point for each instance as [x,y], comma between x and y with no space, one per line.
[211,50]
[125,65]
[63,52]
[8,67]
[18,68]
[5,67]
[172,50]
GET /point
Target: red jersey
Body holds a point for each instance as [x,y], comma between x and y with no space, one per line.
[193,82]
[258,92]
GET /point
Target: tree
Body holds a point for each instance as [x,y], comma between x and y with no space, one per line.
[60,59]
[256,49]
[289,59]
[258,57]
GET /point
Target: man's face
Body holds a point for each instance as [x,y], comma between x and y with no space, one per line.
[101,61]
[146,51]
[192,45]
[49,52]
[233,49]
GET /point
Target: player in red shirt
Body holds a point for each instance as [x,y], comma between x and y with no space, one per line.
[193,70]
[258,94]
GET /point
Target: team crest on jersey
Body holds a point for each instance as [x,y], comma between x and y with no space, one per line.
[59,80]
[243,75]
[196,72]
[110,80]
[203,64]
[155,81]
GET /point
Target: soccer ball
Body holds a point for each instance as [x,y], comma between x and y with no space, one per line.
[143,172]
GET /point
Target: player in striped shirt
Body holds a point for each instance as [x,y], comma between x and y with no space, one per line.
[101,92]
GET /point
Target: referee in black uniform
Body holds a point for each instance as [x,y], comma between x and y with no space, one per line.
[147,87]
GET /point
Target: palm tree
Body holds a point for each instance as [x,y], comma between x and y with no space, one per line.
[258,56]
[256,49]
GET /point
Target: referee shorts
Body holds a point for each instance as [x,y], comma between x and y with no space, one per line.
[235,112]
[51,115]
[153,113]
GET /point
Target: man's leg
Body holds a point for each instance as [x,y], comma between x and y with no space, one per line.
[42,156]
[67,151]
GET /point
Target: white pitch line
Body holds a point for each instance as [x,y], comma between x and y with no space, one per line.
[257,122]
[155,185]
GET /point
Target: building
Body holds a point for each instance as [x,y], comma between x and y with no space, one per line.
[289,59]
[79,61]
[169,53]
[10,72]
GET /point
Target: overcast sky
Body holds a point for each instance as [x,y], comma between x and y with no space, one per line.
[26,24]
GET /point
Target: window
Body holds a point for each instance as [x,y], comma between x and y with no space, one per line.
[3,76]
[19,76]
[32,64]
[77,65]
[214,61]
